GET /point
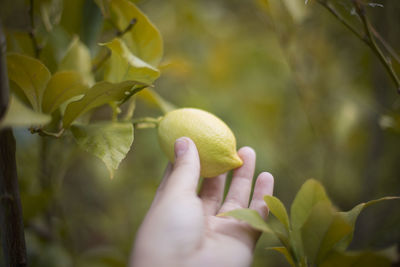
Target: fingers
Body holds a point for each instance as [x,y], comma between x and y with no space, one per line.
[185,172]
[212,193]
[248,235]
[161,187]
[239,191]
[264,186]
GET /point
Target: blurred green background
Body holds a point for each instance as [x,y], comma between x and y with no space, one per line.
[306,94]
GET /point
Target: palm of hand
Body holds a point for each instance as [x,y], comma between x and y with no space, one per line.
[182,229]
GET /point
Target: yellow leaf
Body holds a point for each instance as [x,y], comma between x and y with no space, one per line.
[30,75]
[19,115]
[124,65]
[62,86]
[77,58]
[101,93]
[144,39]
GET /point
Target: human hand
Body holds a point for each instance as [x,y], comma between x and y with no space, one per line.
[181,227]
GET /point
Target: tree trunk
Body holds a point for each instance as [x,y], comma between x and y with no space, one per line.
[11,222]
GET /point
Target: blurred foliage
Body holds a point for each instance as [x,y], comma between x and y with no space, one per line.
[298,87]
[316,234]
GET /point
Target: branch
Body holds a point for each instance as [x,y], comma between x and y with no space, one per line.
[369,38]
[32,34]
[43,132]
[119,33]
[11,222]
[127,29]
[4,92]
[385,44]
[146,122]
[339,17]
[375,48]
[134,91]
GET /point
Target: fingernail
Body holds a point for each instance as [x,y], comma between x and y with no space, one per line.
[181,146]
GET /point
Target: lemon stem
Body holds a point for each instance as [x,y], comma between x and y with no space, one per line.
[146,122]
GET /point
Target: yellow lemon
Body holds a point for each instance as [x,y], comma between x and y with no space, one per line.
[214,140]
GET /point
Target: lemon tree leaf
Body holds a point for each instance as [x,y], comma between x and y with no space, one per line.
[30,75]
[101,93]
[251,217]
[315,228]
[124,65]
[311,193]
[278,209]
[18,93]
[338,229]
[19,115]
[296,244]
[144,39]
[152,97]
[352,215]
[285,253]
[350,259]
[77,58]
[109,141]
[62,86]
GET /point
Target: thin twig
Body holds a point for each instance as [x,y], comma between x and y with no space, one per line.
[127,28]
[385,44]
[36,47]
[146,122]
[42,132]
[339,17]
[368,38]
[134,91]
[118,33]
[375,48]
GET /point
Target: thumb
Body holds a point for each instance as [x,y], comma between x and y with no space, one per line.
[186,169]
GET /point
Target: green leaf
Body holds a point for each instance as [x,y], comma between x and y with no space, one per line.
[19,115]
[278,210]
[109,141]
[124,65]
[101,93]
[296,244]
[351,217]
[352,259]
[144,39]
[77,58]
[285,253]
[152,97]
[251,217]
[30,75]
[62,86]
[315,228]
[338,229]
[311,193]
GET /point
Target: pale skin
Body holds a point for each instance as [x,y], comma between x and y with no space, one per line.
[181,228]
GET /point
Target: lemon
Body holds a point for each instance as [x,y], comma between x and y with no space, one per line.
[214,140]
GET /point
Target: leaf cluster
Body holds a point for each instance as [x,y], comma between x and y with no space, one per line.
[54,104]
[316,233]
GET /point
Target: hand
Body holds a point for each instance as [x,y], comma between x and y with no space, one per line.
[181,227]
